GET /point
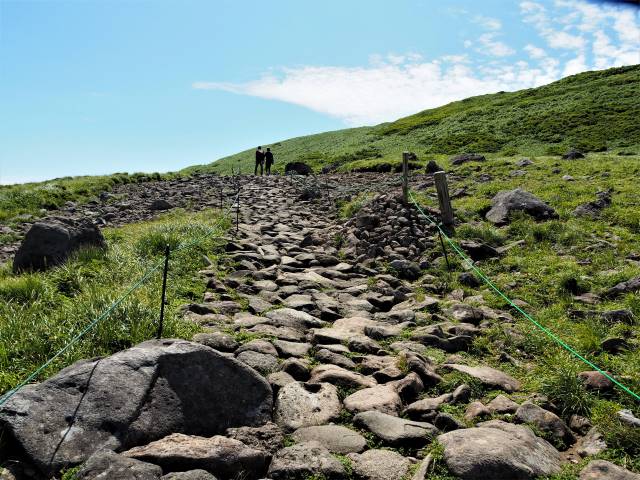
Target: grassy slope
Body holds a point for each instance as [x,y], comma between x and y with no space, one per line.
[590,253]
[592,111]
[40,312]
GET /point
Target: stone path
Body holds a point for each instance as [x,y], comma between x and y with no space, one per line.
[366,359]
[345,345]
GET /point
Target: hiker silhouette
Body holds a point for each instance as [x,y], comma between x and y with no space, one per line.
[268,160]
[259,161]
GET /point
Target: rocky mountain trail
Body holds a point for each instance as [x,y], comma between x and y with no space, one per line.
[326,353]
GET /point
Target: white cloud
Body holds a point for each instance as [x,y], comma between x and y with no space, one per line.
[383,92]
[535,52]
[576,65]
[490,46]
[536,15]
[489,23]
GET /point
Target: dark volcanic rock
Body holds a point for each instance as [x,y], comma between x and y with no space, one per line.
[433,167]
[49,244]
[132,398]
[161,204]
[593,209]
[573,155]
[467,157]
[631,285]
[298,168]
[507,202]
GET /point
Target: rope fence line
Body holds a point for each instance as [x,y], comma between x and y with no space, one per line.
[7,396]
[544,329]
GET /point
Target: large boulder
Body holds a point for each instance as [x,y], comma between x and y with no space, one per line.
[132,398]
[518,200]
[49,244]
[497,449]
[297,168]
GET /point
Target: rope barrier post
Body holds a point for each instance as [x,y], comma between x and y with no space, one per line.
[446,211]
[405,177]
[164,291]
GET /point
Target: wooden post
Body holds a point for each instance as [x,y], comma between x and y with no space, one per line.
[405,177]
[446,211]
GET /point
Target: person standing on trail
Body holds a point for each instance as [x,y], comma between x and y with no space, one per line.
[259,160]
[268,156]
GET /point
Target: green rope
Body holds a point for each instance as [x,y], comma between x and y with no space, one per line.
[548,332]
[5,398]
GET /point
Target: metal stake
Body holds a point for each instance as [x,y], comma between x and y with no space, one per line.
[444,250]
[164,290]
[238,212]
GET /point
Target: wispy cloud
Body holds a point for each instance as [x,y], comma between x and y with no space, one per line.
[386,90]
[573,36]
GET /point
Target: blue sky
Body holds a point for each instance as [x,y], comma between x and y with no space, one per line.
[92,87]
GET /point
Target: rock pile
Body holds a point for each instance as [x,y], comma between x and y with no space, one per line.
[387,230]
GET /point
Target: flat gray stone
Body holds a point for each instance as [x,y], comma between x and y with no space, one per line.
[227,457]
[336,438]
[396,431]
[488,376]
[383,398]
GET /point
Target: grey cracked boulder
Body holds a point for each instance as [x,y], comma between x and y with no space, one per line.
[109,465]
[518,200]
[306,404]
[395,430]
[132,398]
[227,457]
[497,449]
[48,244]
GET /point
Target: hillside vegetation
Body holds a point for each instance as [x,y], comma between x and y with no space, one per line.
[592,111]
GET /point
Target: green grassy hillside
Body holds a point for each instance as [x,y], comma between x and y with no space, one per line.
[592,111]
